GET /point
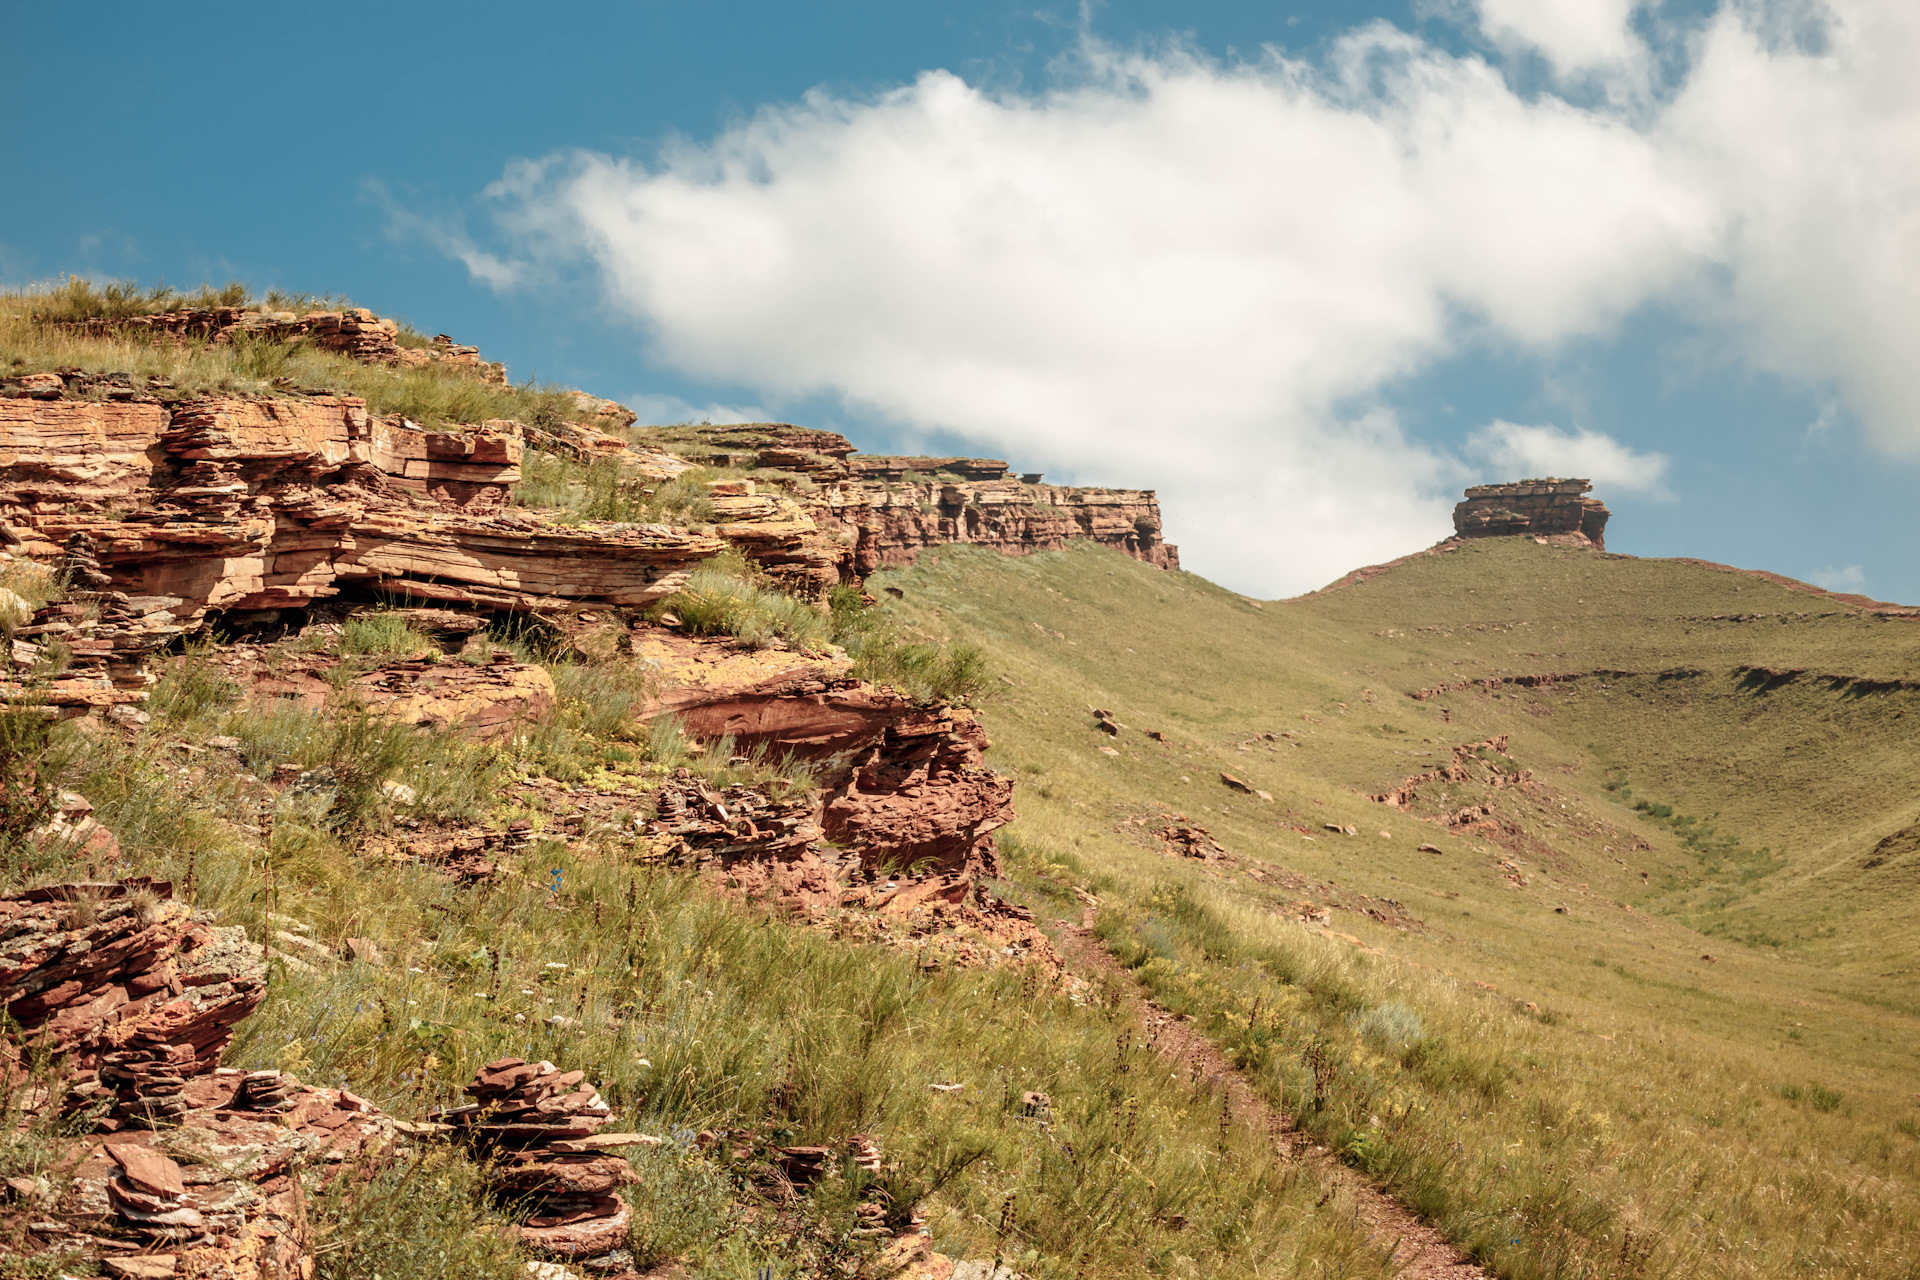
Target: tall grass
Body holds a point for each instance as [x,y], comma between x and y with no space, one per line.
[954,671]
[694,1014]
[725,597]
[605,490]
[75,299]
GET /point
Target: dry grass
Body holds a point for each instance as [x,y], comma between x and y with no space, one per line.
[1608,1103]
[694,1014]
[433,395]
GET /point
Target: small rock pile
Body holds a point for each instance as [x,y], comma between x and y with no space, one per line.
[541,1127]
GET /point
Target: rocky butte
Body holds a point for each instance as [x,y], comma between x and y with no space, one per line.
[1548,508]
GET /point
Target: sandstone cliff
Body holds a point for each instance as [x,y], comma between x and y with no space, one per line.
[253,503]
[882,510]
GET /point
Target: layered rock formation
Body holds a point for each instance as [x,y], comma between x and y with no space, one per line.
[1541,508]
[88,653]
[904,785]
[874,511]
[192,1167]
[120,978]
[254,503]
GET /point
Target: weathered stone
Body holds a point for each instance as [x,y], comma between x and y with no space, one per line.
[1539,508]
[251,503]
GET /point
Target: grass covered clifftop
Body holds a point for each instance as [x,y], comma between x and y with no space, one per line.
[1648,1013]
[33,341]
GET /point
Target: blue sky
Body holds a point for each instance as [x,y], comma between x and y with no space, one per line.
[1307,269]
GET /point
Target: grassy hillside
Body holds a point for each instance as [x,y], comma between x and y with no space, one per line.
[1522,1032]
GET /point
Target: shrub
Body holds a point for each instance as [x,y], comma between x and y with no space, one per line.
[26,787]
[193,685]
[1819,1097]
[923,670]
[1391,1026]
[382,633]
[351,753]
[606,490]
[75,299]
[418,1220]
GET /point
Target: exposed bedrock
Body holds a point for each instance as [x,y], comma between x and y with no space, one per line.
[905,785]
[1542,508]
[242,503]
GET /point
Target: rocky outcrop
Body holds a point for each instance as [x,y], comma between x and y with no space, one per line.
[1541,508]
[866,512]
[904,785]
[191,1168]
[87,655]
[485,700]
[354,332]
[125,982]
[891,524]
[255,503]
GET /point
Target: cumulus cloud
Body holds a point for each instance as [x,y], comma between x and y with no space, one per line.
[1575,36]
[664,410]
[1851,578]
[1167,270]
[1535,452]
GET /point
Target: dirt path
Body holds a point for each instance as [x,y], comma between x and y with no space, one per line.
[1420,1252]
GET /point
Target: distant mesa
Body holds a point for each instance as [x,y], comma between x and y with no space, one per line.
[1547,508]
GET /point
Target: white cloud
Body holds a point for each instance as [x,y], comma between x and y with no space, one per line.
[1178,273]
[663,410]
[1574,36]
[449,237]
[1809,147]
[1534,452]
[1851,578]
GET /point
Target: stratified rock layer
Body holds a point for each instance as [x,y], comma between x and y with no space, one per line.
[1542,508]
[254,503]
[905,785]
[861,513]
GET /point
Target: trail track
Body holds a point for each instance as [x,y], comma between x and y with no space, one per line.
[1418,1251]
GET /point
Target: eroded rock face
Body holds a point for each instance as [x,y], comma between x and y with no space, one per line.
[905,785]
[240,503]
[121,978]
[191,1163]
[1541,508]
[866,512]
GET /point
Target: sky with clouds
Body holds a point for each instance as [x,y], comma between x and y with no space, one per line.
[1307,271]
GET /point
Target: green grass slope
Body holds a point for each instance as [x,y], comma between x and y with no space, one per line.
[1521,1032]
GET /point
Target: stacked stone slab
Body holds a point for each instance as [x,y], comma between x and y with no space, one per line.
[538,1125]
[1541,508]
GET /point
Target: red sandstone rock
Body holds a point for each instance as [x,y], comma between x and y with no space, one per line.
[1541,508]
[524,1109]
[266,503]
